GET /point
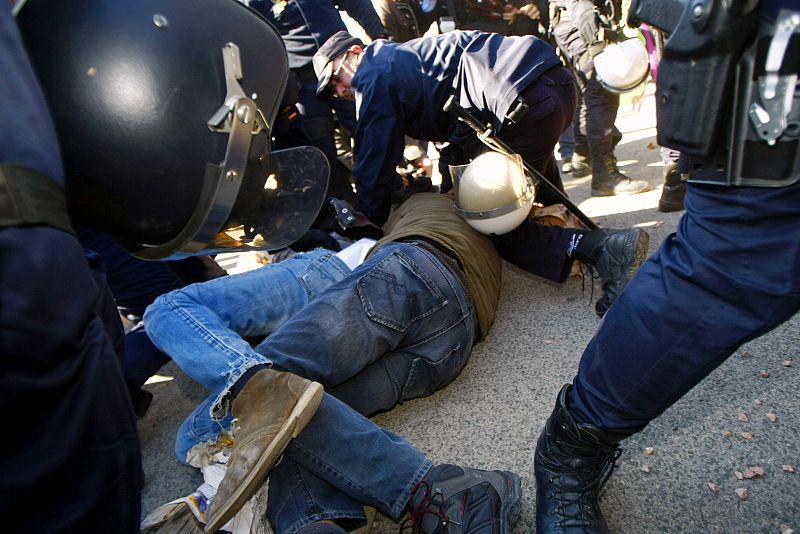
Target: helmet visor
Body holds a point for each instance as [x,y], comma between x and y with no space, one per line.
[279,202]
[279,198]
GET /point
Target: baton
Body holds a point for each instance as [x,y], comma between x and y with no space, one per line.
[487,137]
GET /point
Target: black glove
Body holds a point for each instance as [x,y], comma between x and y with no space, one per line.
[588,26]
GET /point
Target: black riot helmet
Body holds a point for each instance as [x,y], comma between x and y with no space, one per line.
[164,110]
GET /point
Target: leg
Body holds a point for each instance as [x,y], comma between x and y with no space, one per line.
[674,190]
[200,323]
[314,127]
[705,279]
[552,100]
[298,497]
[548,251]
[391,476]
[408,331]
[62,376]
[729,274]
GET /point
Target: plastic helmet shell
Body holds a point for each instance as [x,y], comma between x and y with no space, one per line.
[163,110]
[621,67]
[492,193]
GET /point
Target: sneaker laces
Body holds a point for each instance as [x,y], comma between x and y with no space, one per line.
[433,503]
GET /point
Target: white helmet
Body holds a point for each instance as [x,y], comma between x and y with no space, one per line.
[622,67]
[493,194]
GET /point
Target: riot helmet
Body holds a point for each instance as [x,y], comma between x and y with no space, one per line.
[164,111]
[492,192]
[623,66]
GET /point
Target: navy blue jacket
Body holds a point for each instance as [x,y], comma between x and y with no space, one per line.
[27,135]
[306,24]
[400,89]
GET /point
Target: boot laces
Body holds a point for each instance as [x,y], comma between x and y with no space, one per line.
[607,457]
[433,503]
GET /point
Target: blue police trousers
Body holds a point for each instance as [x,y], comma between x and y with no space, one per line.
[729,274]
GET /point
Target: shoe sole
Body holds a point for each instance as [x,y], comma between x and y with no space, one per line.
[511,508]
[301,415]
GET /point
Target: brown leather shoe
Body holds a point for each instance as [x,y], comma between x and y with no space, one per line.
[272,408]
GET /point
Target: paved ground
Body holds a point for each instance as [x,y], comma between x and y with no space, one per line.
[491,415]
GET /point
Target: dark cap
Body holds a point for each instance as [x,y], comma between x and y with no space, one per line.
[335,46]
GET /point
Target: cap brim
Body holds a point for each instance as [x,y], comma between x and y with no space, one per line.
[325,77]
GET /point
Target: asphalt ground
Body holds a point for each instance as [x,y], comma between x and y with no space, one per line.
[678,475]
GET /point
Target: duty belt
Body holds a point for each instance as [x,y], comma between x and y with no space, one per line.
[517,111]
[28,198]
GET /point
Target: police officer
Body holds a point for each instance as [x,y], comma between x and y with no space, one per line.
[580,28]
[305,25]
[517,84]
[162,122]
[730,273]
[59,337]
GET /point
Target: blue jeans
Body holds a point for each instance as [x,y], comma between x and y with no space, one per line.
[398,327]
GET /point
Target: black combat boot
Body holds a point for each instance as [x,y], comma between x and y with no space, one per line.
[572,462]
[615,255]
[674,189]
[608,181]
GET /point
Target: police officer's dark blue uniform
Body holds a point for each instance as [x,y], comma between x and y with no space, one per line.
[401,89]
[74,463]
[729,274]
[304,26]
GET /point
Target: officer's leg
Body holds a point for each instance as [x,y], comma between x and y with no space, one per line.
[729,274]
[315,127]
[58,332]
[551,100]
[602,136]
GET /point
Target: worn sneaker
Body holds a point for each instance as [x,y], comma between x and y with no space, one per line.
[272,408]
[617,258]
[452,499]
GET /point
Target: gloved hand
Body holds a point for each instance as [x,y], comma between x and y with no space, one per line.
[588,25]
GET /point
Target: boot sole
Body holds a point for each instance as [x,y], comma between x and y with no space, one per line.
[666,207]
[642,246]
[301,415]
[597,193]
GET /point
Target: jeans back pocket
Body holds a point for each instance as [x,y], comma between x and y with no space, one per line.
[396,292]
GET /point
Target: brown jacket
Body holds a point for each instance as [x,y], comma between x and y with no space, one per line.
[431,215]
